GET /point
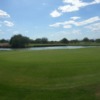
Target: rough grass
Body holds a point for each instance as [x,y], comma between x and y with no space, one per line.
[50,74]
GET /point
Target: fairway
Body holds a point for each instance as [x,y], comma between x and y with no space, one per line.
[69,74]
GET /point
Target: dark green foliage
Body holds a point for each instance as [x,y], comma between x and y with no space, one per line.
[19,41]
[64,40]
[41,40]
[4,41]
[74,41]
[98,40]
[44,40]
[85,39]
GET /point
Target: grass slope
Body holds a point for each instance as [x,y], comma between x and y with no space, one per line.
[50,74]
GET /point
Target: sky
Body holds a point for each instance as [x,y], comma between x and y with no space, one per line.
[53,19]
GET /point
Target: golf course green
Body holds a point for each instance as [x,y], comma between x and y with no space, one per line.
[69,74]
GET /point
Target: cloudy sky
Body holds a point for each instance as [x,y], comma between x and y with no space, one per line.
[54,19]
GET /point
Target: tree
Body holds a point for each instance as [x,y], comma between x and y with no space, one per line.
[44,40]
[64,40]
[85,39]
[92,40]
[38,40]
[41,40]
[97,40]
[74,41]
[3,41]
[19,41]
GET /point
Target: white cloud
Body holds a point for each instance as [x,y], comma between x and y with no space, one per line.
[75,18]
[96,1]
[74,5]
[68,8]
[94,27]
[4,14]
[56,25]
[71,6]
[55,13]
[70,23]
[88,21]
[77,3]
[8,23]
[67,26]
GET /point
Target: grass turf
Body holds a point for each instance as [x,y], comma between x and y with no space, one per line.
[50,74]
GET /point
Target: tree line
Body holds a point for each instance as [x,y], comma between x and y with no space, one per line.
[20,41]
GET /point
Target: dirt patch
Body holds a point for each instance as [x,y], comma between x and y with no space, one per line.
[4,45]
[97,93]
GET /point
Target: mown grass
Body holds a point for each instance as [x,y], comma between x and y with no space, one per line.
[50,74]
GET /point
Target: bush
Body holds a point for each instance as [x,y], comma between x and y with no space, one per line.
[19,41]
